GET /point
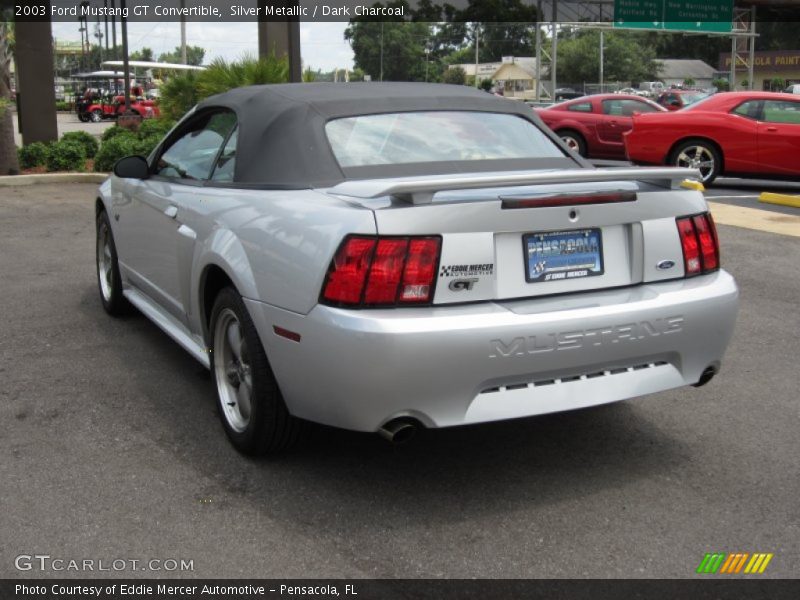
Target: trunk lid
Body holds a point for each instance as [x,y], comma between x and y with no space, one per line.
[513,235]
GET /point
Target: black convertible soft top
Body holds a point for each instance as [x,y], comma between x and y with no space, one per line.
[282,141]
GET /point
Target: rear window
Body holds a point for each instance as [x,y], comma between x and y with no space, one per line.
[692,98]
[435,136]
[580,107]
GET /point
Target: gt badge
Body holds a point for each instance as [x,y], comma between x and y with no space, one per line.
[459,285]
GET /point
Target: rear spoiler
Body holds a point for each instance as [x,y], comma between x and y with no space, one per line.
[420,190]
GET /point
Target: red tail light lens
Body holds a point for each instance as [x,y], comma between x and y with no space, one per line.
[387,271]
[709,250]
[699,243]
[348,272]
[420,271]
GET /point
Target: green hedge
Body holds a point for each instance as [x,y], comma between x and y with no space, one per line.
[119,142]
[66,155]
[154,127]
[119,146]
[33,155]
[85,139]
[112,131]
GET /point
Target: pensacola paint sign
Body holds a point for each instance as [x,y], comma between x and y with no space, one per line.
[775,60]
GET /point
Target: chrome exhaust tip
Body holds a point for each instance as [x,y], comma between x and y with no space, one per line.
[707,376]
[398,431]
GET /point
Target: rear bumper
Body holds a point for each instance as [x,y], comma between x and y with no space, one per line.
[490,361]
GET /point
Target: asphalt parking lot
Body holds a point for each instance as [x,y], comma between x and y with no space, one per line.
[112,449]
[745,192]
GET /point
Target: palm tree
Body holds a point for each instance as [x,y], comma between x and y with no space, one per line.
[221,75]
[9,165]
[182,91]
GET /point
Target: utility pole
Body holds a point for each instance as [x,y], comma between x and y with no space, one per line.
[183,32]
[601,61]
[105,18]
[554,50]
[538,63]
[125,65]
[99,35]
[114,27]
[477,46]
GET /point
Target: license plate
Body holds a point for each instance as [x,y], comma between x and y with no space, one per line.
[562,255]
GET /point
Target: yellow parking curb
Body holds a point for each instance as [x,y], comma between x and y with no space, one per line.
[692,184]
[753,218]
[782,199]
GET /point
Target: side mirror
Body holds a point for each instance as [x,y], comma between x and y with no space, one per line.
[132,167]
[675,103]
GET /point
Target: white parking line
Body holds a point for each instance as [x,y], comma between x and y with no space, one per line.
[712,197]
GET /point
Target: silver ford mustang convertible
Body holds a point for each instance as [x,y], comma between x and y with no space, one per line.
[384,256]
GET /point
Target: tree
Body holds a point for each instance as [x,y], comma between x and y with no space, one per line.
[505,27]
[722,85]
[455,75]
[309,76]
[194,55]
[183,90]
[625,58]
[689,82]
[145,54]
[705,48]
[777,84]
[400,44]
[9,164]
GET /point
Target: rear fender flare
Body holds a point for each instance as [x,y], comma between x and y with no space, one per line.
[224,251]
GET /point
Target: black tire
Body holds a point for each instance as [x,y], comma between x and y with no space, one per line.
[574,140]
[267,426]
[109,281]
[698,153]
[83,117]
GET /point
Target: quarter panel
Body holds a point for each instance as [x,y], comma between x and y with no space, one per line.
[275,245]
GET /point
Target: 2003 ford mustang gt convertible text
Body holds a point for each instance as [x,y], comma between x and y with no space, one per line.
[383,256]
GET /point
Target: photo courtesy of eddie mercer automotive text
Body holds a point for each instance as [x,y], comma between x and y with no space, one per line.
[287,236]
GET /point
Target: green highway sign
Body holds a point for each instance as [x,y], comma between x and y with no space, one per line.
[675,15]
[644,14]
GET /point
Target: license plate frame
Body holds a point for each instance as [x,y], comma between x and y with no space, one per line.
[570,263]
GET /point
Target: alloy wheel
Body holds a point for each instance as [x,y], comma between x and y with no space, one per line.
[232,371]
[697,157]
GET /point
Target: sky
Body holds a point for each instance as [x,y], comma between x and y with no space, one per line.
[322,45]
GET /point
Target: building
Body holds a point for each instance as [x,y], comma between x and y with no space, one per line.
[772,70]
[674,71]
[514,77]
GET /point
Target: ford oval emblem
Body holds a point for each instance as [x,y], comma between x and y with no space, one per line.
[665,264]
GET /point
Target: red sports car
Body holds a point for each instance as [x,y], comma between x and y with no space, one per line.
[593,125]
[745,134]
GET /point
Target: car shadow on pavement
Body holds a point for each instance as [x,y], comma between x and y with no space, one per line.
[443,474]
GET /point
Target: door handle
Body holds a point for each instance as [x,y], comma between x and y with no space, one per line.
[772,129]
[171,211]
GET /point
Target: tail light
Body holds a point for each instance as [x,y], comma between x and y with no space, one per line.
[382,271]
[700,244]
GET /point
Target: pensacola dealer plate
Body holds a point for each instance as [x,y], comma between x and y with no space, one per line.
[559,255]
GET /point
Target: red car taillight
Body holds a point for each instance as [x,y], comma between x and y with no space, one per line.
[699,242]
[382,271]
